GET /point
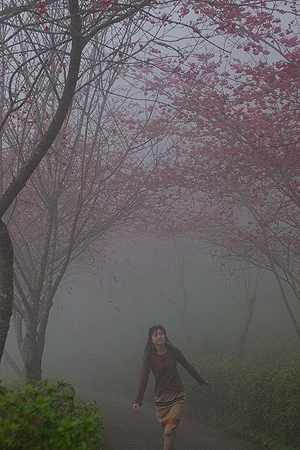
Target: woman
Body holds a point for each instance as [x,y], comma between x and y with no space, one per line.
[161,358]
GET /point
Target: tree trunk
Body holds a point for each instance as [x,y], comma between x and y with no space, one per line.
[186,333]
[13,365]
[245,331]
[33,357]
[6,284]
[33,365]
[284,298]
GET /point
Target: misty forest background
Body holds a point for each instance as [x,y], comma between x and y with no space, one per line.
[150,174]
[98,325]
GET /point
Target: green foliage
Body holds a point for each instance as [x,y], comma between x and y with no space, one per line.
[2,389]
[259,401]
[47,417]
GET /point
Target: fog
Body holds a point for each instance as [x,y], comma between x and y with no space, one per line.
[102,313]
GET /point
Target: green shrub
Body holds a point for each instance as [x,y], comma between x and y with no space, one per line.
[48,417]
[255,400]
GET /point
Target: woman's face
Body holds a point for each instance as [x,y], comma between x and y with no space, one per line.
[158,337]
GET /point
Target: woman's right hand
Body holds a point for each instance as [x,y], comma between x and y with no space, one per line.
[136,407]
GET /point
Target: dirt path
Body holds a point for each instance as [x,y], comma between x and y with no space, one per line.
[127,430]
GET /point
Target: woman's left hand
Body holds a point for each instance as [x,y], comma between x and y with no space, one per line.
[207,383]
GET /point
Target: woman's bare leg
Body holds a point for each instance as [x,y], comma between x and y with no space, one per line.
[169,439]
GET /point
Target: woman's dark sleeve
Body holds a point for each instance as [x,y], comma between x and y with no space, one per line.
[143,380]
[191,369]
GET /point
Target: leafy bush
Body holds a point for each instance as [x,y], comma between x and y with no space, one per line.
[48,417]
[258,401]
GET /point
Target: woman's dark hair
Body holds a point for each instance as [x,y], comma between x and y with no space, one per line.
[150,347]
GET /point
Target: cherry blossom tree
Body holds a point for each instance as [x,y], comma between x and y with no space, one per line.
[234,178]
[92,181]
[46,57]
[33,36]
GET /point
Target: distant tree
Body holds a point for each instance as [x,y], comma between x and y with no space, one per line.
[160,265]
[246,278]
[169,272]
